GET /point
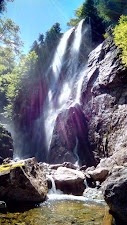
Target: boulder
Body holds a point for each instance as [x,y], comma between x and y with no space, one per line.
[70,138]
[22,181]
[69,181]
[3,207]
[6,143]
[115,194]
[99,174]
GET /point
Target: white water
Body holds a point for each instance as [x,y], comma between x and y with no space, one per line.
[59,54]
[76,153]
[53,189]
[67,93]
[90,194]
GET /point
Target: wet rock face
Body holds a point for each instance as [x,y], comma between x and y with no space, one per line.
[6,144]
[70,138]
[22,182]
[115,194]
[97,128]
[104,101]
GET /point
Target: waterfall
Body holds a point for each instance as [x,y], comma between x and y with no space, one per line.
[53,189]
[76,153]
[59,54]
[68,73]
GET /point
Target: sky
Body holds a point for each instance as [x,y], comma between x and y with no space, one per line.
[35,17]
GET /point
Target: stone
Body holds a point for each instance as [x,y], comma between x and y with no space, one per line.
[115,194]
[104,101]
[6,143]
[99,174]
[1,160]
[22,181]
[69,140]
[69,181]
[3,207]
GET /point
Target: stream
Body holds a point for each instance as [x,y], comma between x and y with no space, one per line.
[61,209]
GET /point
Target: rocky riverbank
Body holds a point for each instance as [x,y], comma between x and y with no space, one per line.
[28,181]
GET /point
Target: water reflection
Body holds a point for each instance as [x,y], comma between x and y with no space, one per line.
[56,212]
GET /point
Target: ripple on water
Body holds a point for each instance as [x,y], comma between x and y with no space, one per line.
[59,212]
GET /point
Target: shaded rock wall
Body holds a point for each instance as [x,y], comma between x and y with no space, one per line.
[6,143]
[70,137]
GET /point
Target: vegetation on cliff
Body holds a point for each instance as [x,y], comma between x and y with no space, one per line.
[120,38]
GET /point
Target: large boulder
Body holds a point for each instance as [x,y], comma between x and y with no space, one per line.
[69,181]
[115,194]
[22,181]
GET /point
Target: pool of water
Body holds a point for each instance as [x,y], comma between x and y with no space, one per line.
[60,212]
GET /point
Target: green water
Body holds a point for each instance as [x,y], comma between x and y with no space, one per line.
[60,212]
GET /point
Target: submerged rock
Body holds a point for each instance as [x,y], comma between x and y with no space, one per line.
[69,181]
[22,181]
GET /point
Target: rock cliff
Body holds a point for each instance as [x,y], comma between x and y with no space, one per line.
[99,123]
[6,143]
[104,101]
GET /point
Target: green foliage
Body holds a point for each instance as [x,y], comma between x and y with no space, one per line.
[120,37]
[16,85]
[3,5]
[52,36]
[87,9]
[7,62]
[111,10]
[107,10]
[9,35]
[45,47]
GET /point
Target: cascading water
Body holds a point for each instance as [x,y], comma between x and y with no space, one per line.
[68,75]
[76,153]
[59,54]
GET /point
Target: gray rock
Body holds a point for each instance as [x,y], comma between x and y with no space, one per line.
[6,143]
[115,194]
[104,101]
[99,174]
[22,181]
[69,181]
[3,207]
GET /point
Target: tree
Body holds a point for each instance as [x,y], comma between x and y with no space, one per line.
[53,36]
[7,62]
[41,39]
[35,47]
[3,4]
[16,85]
[87,9]
[120,37]
[111,10]
[9,35]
